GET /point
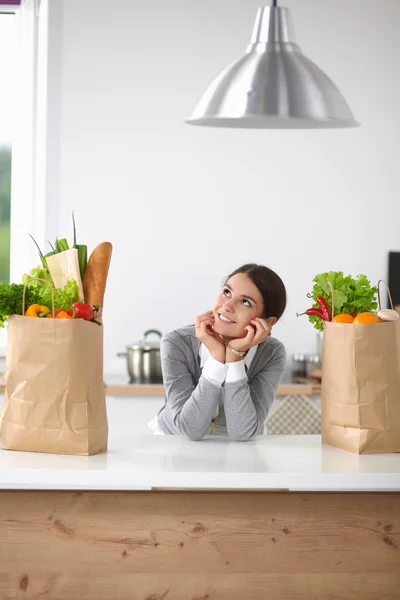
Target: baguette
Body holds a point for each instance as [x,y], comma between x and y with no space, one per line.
[96,272]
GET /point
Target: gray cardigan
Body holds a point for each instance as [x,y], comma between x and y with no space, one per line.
[192,401]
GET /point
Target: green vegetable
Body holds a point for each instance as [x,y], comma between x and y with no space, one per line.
[63,298]
[67,296]
[82,258]
[74,228]
[59,246]
[11,300]
[37,292]
[42,258]
[350,295]
[38,272]
[63,244]
[82,250]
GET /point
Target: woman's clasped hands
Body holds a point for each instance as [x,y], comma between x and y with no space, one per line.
[255,333]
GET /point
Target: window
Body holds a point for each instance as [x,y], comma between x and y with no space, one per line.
[8,39]
[26,133]
[23,37]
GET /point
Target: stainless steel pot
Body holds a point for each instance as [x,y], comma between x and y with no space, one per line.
[143,359]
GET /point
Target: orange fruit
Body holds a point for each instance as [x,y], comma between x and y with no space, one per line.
[343,318]
[366,318]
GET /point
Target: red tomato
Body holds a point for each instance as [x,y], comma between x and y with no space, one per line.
[83,311]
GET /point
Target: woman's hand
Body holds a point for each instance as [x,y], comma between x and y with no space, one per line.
[258,331]
[210,339]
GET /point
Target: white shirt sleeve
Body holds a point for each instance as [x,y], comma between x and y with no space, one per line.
[214,371]
[236,371]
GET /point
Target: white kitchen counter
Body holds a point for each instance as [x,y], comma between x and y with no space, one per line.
[137,461]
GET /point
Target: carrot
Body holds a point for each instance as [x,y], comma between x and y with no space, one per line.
[95,277]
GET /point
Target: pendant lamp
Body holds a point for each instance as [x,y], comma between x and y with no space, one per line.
[273,86]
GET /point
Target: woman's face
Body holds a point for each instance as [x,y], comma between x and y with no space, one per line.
[238,303]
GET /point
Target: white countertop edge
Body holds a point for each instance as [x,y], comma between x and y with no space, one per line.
[20,479]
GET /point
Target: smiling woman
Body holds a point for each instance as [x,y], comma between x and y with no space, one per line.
[221,375]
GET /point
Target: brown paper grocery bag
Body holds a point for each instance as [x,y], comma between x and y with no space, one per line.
[360,393]
[55,397]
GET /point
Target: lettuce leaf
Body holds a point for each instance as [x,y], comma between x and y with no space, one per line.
[350,294]
[63,298]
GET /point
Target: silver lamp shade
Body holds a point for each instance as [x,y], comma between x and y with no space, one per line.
[273,86]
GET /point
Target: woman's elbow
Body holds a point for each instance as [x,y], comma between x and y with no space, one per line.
[242,435]
[194,436]
[239,436]
[186,430]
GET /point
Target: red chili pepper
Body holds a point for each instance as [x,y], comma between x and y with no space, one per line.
[316,312]
[326,313]
[355,313]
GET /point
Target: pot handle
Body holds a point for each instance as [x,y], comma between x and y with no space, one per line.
[149,331]
[122,354]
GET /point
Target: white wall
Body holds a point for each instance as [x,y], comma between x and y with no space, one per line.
[184,206]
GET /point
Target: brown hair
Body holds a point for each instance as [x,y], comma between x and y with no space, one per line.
[270,286]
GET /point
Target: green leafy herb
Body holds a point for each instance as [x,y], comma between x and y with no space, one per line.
[11,300]
[350,295]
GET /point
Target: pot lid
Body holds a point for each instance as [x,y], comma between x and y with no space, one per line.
[145,344]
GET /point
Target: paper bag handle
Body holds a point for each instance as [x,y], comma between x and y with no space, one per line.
[52,293]
[333,300]
[388,291]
